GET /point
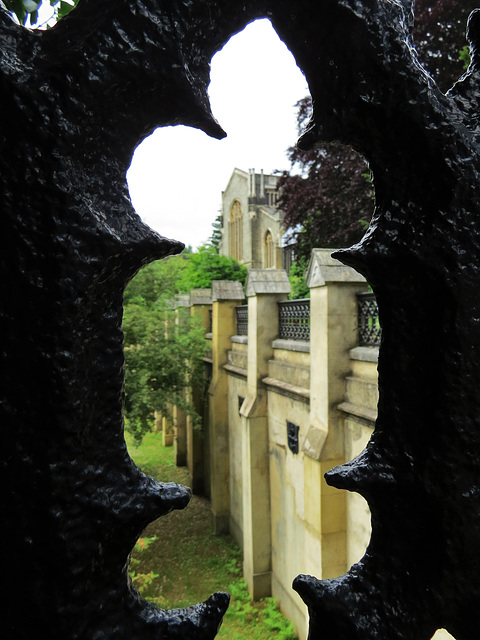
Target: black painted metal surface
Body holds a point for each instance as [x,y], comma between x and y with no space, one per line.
[292,436]
[420,471]
[369,329]
[294,319]
[242,319]
[74,103]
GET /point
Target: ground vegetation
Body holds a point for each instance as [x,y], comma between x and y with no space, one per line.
[178,560]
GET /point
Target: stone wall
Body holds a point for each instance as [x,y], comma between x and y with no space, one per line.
[279,414]
[258,218]
[237,392]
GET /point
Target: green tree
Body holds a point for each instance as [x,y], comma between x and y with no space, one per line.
[156,281]
[207,265]
[298,283]
[163,348]
[26,11]
[326,196]
[216,236]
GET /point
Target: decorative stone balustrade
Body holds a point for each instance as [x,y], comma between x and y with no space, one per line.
[294,319]
[369,330]
[242,320]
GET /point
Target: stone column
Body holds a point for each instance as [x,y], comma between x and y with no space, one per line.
[167,420]
[264,289]
[333,332]
[167,429]
[200,305]
[179,416]
[226,295]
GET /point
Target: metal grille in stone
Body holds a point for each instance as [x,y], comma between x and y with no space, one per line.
[242,320]
[369,330]
[292,436]
[294,319]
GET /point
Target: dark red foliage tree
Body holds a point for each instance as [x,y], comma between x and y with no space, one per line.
[439,35]
[328,194]
[325,203]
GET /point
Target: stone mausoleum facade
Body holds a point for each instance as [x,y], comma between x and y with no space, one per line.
[252,223]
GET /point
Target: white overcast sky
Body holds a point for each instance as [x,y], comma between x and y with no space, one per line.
[178,173]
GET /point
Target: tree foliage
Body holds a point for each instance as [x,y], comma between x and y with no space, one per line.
[207,265]
[216,236]
[296,277]
[327,195]
[164,347]
[26,11]
[439,35]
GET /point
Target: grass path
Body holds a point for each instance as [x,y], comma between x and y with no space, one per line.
[179,561]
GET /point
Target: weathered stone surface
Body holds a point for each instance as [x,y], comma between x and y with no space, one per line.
[322,268]
[200,296]
[227,290]
[261,281]
[182,300]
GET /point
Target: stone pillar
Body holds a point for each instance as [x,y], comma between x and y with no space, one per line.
[167,420]
[167,429]
[264,289]
[226,295]
[179,417]
[200,305]
[333,332]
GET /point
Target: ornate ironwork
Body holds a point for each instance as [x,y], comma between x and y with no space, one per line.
[294,319]
[292,436]
[70,241]
[369,330]
[242,320]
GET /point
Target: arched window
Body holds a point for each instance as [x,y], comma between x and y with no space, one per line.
[235,231]
[269,261]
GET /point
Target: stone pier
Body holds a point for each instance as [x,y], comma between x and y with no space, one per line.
[265,288]
[226,296]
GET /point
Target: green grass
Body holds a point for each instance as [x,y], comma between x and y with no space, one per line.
[179,561]
[155,459]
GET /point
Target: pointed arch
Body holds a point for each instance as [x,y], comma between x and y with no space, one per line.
[269,250]
[235,223]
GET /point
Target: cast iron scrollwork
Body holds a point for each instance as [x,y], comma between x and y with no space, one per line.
[74,103]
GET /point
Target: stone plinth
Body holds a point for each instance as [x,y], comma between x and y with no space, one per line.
[200,305]
[265,288]
[333,312]
[226,295]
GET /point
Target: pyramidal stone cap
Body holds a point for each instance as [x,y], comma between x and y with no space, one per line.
[227,290]
[267,281]
[200,296]
[322,268]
